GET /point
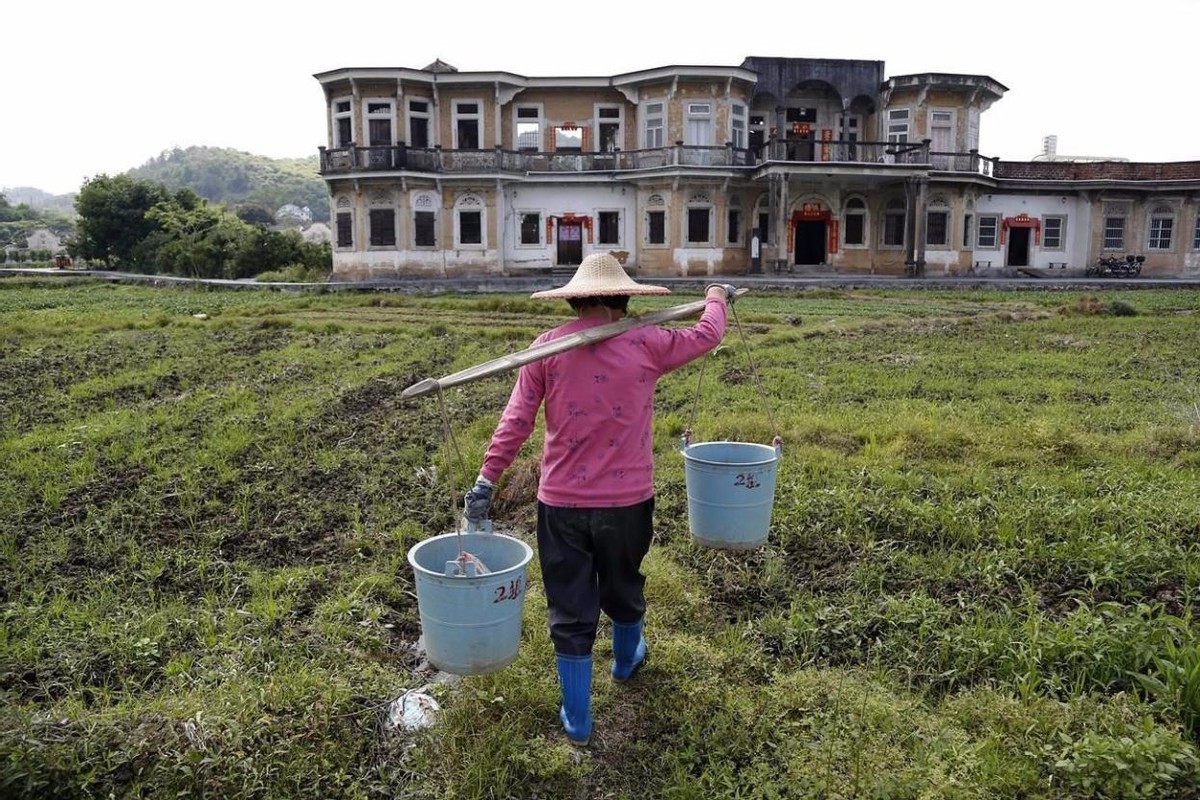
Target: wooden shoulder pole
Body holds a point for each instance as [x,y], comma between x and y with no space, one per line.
[560,345]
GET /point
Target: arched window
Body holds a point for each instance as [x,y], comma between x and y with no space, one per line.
[1162,228]
[656,220]
[381,218]
[698,222]
[937,223]
[855,223]
[893,223]
[425,218]
[344,224]
[470,221]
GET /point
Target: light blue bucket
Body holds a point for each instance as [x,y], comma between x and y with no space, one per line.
[730,492]
[471,623]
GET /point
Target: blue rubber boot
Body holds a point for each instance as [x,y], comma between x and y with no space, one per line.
[629,649]
[575,675]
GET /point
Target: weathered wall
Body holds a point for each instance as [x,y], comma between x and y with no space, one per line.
[552,200]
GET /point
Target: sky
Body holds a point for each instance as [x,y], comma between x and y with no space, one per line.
[100,88]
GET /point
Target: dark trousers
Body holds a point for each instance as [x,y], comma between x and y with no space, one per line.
[591,561]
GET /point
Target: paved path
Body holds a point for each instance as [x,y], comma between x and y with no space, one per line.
[766,282]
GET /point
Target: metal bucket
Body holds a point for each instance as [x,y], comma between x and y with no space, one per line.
[471,623]
[730,492]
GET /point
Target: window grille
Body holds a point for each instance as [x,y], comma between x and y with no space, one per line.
[937,228]
[988,225]
[531,229]
[1052,233]
[697,226]
[1161,229]
[1114,233]
[383,227]
[657,224]
[610,227]
[893,224]
[470,227]
[856,219]
[423,229]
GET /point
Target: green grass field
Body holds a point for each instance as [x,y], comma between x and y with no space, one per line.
[980,582]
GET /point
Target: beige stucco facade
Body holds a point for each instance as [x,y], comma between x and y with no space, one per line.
[834,165]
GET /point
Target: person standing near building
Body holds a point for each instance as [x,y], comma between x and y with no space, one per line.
[596,492]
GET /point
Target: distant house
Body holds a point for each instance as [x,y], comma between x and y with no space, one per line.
[291,214]
[44,239]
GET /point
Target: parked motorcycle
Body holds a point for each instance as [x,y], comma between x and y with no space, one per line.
[1116,267]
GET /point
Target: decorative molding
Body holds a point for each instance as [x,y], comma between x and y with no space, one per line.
[468,201]
[424,201]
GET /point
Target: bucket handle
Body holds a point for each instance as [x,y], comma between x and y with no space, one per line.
[686,438]
[484,526]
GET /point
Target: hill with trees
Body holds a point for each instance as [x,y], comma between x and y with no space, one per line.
[240,180]
[40,200]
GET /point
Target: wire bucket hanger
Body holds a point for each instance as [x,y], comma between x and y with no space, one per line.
[466,564]
[686,437]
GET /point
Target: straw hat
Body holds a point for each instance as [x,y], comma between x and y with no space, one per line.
[600,275]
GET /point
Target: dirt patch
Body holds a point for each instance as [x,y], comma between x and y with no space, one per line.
[113,483]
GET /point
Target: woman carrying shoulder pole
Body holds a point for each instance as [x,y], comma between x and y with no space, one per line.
[596,492]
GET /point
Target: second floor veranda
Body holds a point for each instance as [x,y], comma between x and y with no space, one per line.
[355,160]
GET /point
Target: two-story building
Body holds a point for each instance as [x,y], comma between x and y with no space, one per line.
[692,170]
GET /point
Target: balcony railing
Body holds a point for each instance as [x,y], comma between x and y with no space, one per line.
[353,159]
[846,152]
[340,160]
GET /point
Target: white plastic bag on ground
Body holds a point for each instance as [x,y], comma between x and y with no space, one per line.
[413,710]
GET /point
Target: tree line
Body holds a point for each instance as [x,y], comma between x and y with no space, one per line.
[141,226]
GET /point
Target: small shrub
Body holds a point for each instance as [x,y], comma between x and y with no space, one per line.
[1135,764]
[1119,308]
[1176,683]
[1089,305]
[294,273]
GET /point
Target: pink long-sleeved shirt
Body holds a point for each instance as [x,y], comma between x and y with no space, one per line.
[599,402]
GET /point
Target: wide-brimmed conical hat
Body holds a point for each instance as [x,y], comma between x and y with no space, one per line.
[600,275]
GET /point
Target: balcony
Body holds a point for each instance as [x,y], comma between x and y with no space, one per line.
[802,151]
[398,158]
[354,160]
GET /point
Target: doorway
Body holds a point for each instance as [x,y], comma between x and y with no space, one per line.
[570,243]
[1018,247]
[800,147]
[810,241]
